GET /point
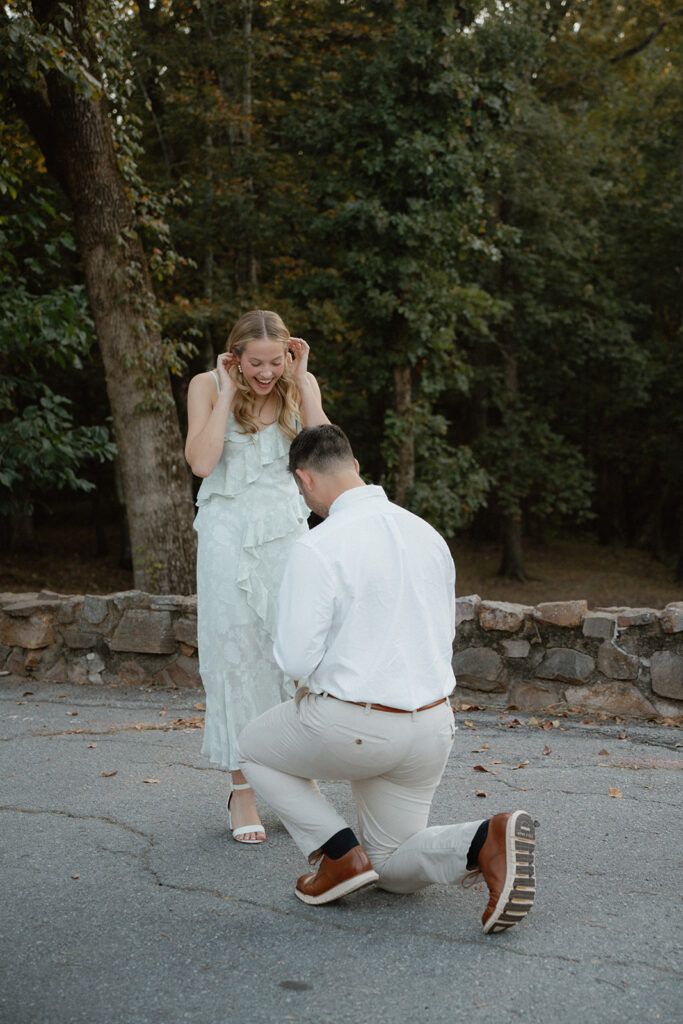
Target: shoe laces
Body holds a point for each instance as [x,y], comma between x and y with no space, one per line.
[471,878]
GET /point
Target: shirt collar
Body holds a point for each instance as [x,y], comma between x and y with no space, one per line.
[355,495]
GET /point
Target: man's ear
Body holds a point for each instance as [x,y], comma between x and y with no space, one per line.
[355,462]
[306,478]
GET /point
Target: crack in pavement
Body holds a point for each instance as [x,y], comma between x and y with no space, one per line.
[545,790]
[177,725]
[155,876]
[78,817]
[606,730]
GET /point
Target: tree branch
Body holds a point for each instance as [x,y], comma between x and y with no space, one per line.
[633,50]
[630,52]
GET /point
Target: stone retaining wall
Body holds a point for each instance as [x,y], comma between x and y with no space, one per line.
[621,661]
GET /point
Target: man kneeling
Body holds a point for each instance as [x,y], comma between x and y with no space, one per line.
[367,615]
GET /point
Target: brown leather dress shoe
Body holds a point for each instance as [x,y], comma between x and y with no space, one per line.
[335,878]
[506,860]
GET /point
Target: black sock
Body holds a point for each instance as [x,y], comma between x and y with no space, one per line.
[476,845]
[339,844]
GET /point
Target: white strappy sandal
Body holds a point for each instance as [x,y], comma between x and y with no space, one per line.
[244,830]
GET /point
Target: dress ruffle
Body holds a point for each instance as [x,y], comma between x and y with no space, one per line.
[254,570]
[250,513]
[243,460]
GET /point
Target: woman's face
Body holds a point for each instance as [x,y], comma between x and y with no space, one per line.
[263,363]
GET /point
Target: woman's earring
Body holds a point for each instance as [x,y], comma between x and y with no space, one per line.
[239,367]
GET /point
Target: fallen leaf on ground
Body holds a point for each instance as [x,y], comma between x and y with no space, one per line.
[151,780]
[480,768]
[76,876]
[603,753]
[108,775]
[72,713]
[546,749]
[92,745]
[534,723]
[199,706]
[470,725]
[479,792]
[27,693]
[495,762]
[547,724]
[522,764]
[621,735]
[614,792]
[480,750]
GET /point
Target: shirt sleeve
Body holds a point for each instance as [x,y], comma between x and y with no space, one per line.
[305,610]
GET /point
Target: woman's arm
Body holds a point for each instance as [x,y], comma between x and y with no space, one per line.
[312,412]
[311,407]
[207,417]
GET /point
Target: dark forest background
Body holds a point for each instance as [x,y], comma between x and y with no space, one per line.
[472,211]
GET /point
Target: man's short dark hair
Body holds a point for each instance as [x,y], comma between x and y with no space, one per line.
[319,449]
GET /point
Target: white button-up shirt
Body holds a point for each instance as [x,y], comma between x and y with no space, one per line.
[367,605]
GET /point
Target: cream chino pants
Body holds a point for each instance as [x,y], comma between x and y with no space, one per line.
[394,763]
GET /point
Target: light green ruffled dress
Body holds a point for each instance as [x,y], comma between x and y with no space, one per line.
[250,514]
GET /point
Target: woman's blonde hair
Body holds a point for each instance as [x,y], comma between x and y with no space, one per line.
[256,325]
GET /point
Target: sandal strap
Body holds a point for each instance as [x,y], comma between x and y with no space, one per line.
[243,829]
[237,833]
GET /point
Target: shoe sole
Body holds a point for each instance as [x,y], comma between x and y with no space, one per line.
[343,889]
[518,894]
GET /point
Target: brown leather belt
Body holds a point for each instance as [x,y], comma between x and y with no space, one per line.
[383,707]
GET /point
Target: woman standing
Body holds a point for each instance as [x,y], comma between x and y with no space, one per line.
[242,417]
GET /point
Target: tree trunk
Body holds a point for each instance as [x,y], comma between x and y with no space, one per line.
[252,272]
[74,133]
[512,556]
[512,562]
[405,472]
[22,533]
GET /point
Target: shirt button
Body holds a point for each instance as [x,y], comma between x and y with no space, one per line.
[359,741]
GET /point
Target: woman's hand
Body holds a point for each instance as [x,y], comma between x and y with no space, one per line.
[299,349]
[226,368]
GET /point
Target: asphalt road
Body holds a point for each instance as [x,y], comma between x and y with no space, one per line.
[125,900]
